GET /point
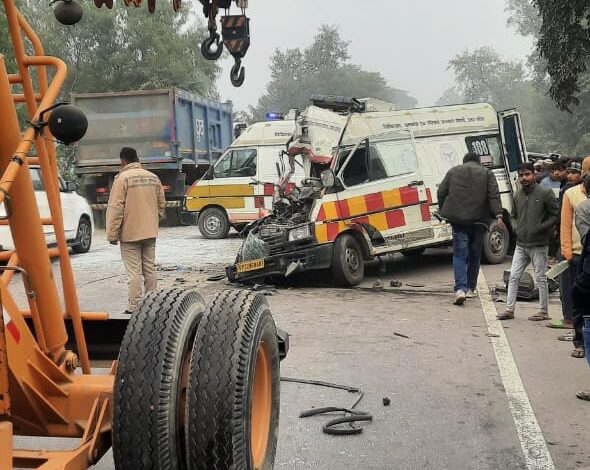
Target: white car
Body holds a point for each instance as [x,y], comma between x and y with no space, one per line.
[77,215]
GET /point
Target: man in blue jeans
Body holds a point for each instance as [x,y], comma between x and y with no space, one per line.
[468,198]
[533,217]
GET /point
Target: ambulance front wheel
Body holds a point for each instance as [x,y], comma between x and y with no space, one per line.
[496,242]
[213,223]
[348,266]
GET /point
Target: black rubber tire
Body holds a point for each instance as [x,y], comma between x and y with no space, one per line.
[172,217]
[223,362]
[213,223]
[496,242]
[83,236]
[149,398]
[348,267]
[413,253]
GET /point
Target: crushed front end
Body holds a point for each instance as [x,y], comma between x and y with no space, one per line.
[283,242]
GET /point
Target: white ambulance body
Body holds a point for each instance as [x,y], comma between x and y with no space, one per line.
[380,172]
[238,189]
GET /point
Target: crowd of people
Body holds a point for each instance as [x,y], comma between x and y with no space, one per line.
[550,220]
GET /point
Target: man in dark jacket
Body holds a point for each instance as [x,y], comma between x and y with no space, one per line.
[533,218]
[468,198]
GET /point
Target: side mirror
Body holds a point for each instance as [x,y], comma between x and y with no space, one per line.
[328,178]
[71,186]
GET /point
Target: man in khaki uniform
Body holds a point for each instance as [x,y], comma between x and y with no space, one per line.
[135,206]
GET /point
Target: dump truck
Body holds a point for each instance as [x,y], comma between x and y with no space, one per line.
[178,135]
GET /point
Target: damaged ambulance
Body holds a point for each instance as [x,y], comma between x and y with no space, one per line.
[370,189]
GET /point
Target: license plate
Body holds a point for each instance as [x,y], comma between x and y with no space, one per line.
[250,265]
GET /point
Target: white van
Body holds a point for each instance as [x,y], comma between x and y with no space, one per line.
[376,176]
[238,189]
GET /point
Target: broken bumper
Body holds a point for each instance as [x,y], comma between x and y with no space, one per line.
[283,264]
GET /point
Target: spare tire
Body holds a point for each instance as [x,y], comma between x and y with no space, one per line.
[151,380]
[233,394]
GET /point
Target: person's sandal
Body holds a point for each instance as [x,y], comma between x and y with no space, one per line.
[579,353]
[539,317]
[507,315]
[584,395]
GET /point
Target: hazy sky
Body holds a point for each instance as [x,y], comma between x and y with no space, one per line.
[410,42]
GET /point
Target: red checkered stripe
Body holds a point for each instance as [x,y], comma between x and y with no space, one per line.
[384,210]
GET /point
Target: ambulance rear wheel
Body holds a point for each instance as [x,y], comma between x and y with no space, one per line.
[149,398]
[213,223]
[348,266]
[496,242]
[234,386]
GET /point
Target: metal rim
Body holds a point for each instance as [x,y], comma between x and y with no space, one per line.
[212,224]
[351,259]
[261,407]
[84,235]
[496,240]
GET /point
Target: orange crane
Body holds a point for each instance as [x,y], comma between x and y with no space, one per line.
[196,385]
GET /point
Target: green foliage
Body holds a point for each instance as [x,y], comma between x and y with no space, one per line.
[128,49]
[482,75]
[118,50]
[322,67]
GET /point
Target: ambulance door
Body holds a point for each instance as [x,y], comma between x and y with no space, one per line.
[513,143]
[384,190]
[233,184]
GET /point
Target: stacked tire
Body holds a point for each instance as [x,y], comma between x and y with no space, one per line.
[197,385]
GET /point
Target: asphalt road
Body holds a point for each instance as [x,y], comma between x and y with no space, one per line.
[452,373]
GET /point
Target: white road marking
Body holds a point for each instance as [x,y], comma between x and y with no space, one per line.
[532,441]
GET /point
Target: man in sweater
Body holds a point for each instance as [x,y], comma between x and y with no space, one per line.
[468,198]
[533,217]
[135,206]
[571,249]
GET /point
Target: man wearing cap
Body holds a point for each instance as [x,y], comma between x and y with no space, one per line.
[571,247]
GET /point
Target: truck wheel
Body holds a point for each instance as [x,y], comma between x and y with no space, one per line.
[172,216]
[213,223]
[413,253]
[496,243]
[83,236]
[149,400]
[233,394]
[348,267]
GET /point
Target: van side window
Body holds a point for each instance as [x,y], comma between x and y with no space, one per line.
[398,156]
[356,171]
[488,149]
[236,163]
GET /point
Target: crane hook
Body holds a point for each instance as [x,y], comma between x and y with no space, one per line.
[209,52]
[237,74]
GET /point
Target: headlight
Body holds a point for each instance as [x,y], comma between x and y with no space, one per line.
[299,233]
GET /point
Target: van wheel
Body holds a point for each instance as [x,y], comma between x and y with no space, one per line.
[150,392]
[83,236]
[213,223]
[348,267]
[496,243]
[234,386]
